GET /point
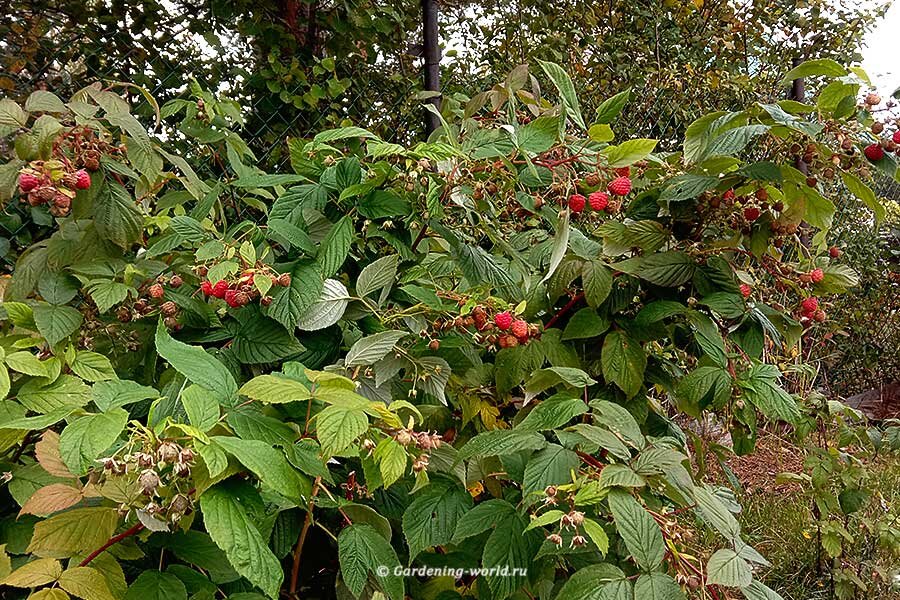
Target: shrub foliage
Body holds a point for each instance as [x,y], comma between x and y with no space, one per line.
[489,349]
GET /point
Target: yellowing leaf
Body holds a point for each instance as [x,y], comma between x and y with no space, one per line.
[50,499]
[37,572]
[73,531]
[47,452]
[86,583]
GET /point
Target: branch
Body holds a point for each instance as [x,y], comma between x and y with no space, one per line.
[298,550]
[133,530]
[575,299]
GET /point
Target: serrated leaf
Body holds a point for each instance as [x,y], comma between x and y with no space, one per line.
[50,499]
[194,363]
[56,323]
[431,519]
[552,413]
[234,532]
[92,366]
[552,465]
[726,568]
[272,389]
[623,362]
[337,426]
[116,216]
[566,89]
[327,309]
[70,532]
[335,247]
[112,394]
[155,585]
[370,349]
[64,392]
[291,302]
[35,573]
[201,407]
[86,583]
[361,551]
[85,438]
[377,275]
[501,443]
[628,152]
[269,464]
[640,532]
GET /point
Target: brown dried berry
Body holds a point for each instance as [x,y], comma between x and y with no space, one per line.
[284,280]
[176,281]
[169,309]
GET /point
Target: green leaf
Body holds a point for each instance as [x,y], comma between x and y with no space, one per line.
[68,533]
[552,413]
[566,89]
[734,140]
[539,135]
[610,108]
[290,303]
[361,551]
[640,532]
[106,293]
[86,582]
[432,516]
[43,397]
[232,530]
[810,68]
[44,101]
[194,363]
[864,193]
[28,363]
[56,323]
[715,513]
[371,349]
[704,386]
[620,475]
[657,586]
[391,458]
[761,388]
[510,546]
[112,394]
[272,389]
[551,466]
[584,324]
[116,215]
[628,152]
[604,439]
[92,366]
[687,186]
[155,585]
[668,269]
[758,591]
[342,133]
[269,464]
[501,443]
[201,407]
[337,426]
[726,568]
[597,582]
[11,114]
[597,280]
[623,362]
[597,535]
[335,247]
[260,339]
[327,309]
[377,275]
[34,573]
[86,438]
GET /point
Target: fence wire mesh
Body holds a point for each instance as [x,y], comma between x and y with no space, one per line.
[280,100]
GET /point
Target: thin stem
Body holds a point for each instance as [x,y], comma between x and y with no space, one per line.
[298,550]
[133,530]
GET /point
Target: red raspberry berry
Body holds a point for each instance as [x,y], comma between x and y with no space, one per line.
[728,195]
[219,289]
[519,328]
[576,203]
[834,252]
[896,137]
[620,186]
[751,213]
[503,320]
[207,288]
[28,181]
[231,298]
[599,200]
[816,275]
[809,305]
[83,180]
[508,341]
[156,291]
[623,171]
[746,290]
[874,152]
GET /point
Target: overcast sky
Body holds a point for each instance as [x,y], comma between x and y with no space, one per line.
[882,52]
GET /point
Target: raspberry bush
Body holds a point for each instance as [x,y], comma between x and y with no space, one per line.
[487,349]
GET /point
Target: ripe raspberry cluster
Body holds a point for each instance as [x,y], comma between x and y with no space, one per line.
[883,145]
[501,329]
[53,183]
[810,311]
[242,290]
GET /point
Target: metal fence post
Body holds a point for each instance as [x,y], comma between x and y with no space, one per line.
[432,63]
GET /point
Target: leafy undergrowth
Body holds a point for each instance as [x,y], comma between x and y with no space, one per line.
[778,521]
